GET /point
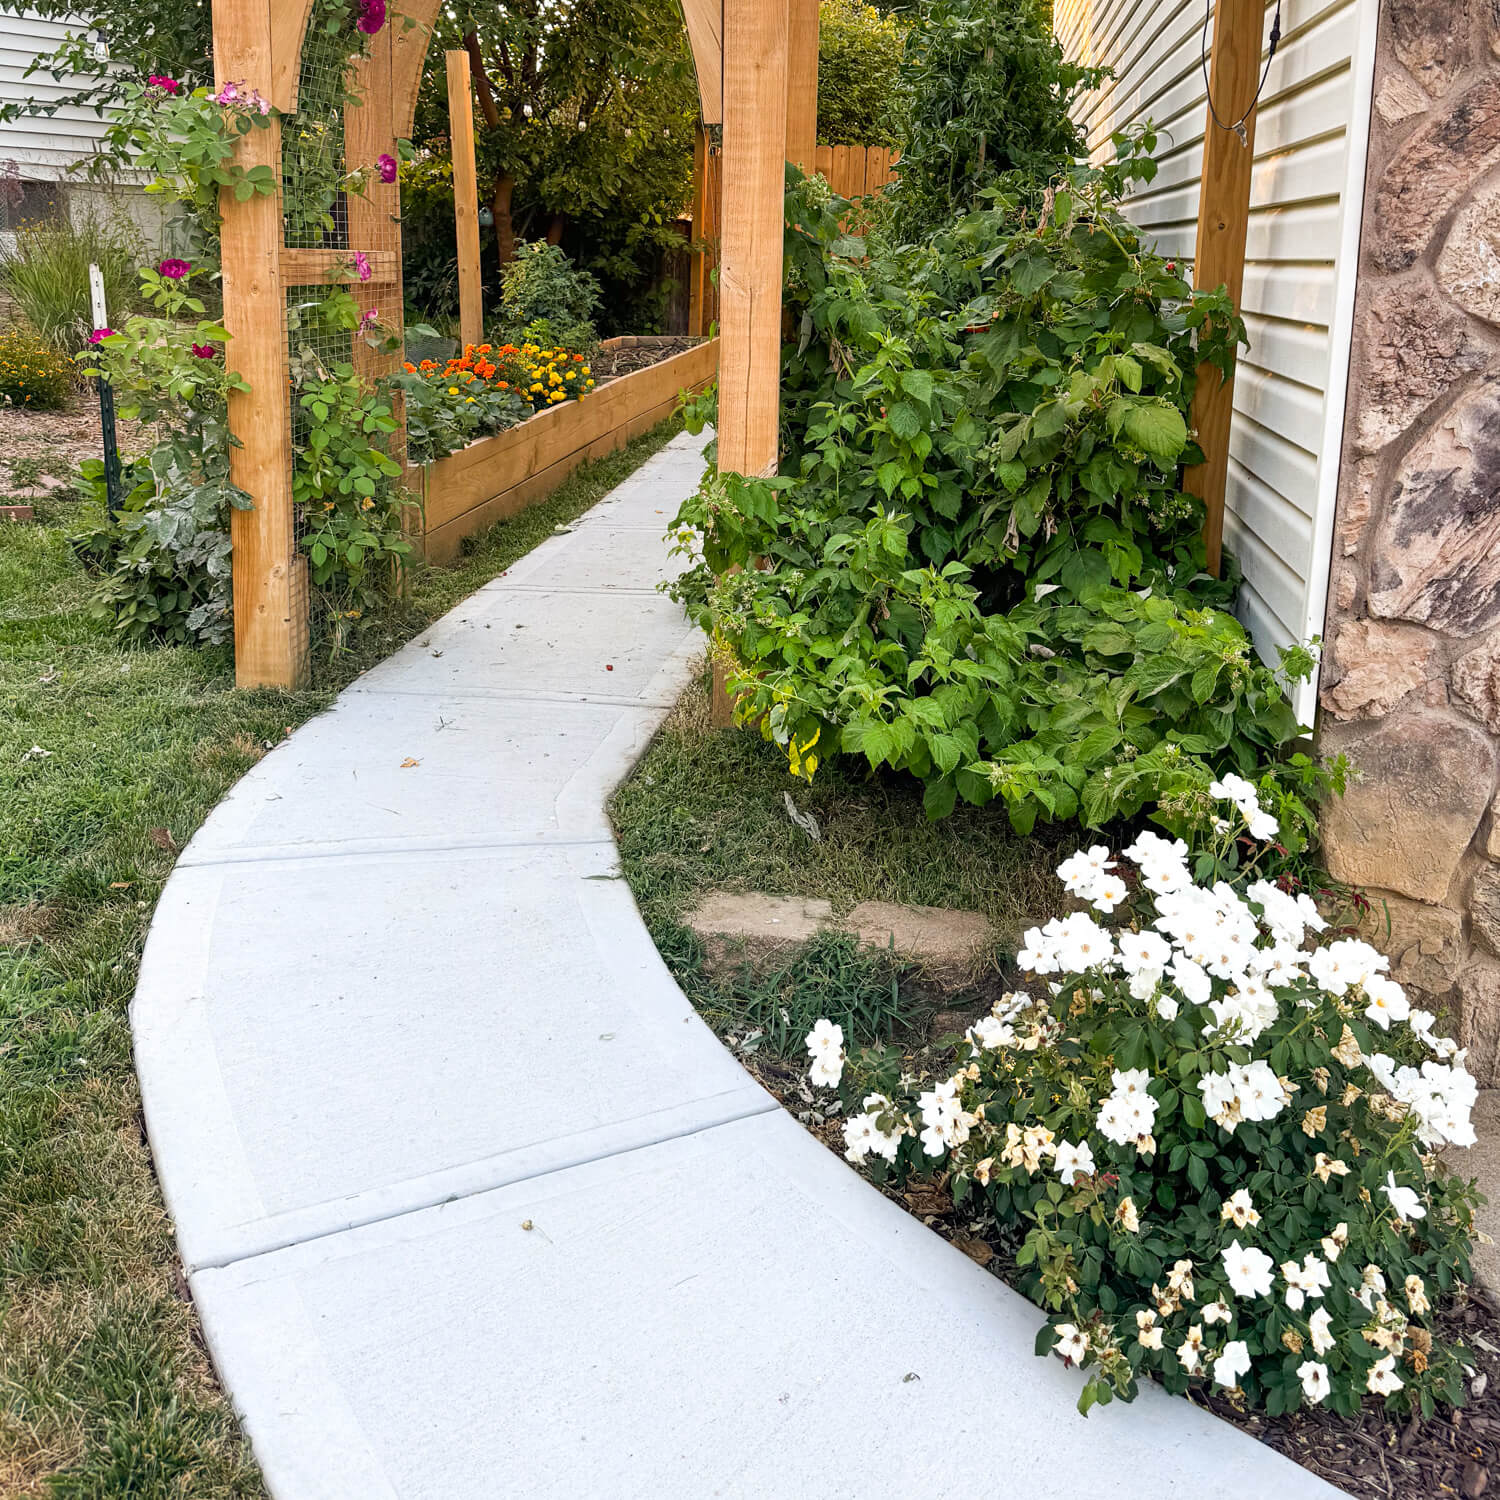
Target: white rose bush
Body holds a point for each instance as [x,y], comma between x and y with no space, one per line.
[1216,1125]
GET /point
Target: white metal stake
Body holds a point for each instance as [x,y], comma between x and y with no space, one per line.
[112,484]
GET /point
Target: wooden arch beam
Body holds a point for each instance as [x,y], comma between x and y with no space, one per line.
[705,29]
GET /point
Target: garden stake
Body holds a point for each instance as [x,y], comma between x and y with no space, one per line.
[106,401]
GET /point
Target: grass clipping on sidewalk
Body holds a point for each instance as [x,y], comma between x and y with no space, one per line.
[110,758]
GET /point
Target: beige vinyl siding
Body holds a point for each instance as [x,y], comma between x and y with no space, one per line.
[1301,251]
[43,147]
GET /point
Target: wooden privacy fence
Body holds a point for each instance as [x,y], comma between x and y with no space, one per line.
[854,171]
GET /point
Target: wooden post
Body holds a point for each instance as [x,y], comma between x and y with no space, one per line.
[1223,220]
[755,73]
[698,264]
[802,84]
[375,214]
[270,579]
[465,196]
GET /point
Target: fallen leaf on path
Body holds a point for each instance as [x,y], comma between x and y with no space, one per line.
[409,762]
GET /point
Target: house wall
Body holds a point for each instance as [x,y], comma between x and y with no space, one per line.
[42,148]
[1298,296]
[1411,688]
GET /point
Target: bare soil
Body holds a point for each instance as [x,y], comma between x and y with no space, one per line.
[610,364]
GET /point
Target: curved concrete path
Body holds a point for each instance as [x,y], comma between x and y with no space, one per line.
[472,1203]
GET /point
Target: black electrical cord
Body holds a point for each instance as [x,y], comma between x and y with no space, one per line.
[1239,125]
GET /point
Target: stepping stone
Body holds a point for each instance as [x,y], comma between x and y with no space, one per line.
[736,926]
[937,937]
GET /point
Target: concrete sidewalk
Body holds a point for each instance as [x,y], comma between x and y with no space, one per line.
[473,1204]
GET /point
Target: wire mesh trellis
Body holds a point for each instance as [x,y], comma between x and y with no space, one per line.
[338,166]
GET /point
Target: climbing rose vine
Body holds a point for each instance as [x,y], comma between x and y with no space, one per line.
[1213,1125]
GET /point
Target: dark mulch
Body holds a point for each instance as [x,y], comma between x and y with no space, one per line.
[1374,1457]
[610,364]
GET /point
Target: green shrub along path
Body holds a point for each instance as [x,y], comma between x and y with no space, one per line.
[110,757]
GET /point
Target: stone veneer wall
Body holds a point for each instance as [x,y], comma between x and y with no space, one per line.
[1411,682]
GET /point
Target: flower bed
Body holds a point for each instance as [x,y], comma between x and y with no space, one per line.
[498,476]
[1218,1136]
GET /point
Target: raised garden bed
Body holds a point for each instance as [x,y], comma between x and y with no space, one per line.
[499,476]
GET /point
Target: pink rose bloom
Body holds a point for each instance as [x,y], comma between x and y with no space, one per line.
[100,334]
[369,319]
[166,85]
[204,351]
[228,94]
[371,16]
[174,270]
[362,265]
[387,165]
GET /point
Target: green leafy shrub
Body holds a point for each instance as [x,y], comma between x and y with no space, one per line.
[46,275]
[1218,1138]
[859,68]
[985,571]
[990,92]
[165,558]
[32,373]
[545,299]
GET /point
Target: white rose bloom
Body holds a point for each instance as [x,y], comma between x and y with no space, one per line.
[826,1072]
[1406,1202]
[1248,1271]
[1314,1378]
[990,1033]
[1142,951]
[1072,1162]
[1191,980]
[1387,1001]
[1071,1344]
[1263,827]
[1383,1379]
[1217,1312]
[1109,891]
[1166,1008]
[1143,984]
[1240,1210]
[1319,1323]
[1233,1364]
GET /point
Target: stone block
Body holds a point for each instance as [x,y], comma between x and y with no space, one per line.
[1436,561]
[1432,40]
[1400,99]
[1479,1018]
[1377,665]
[1468,267]
[1424,943]
[1426,779]
[1431,172]
[1413,349]
[1476,683]
[1484,908]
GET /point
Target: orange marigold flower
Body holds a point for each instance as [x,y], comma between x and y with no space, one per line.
[409,367]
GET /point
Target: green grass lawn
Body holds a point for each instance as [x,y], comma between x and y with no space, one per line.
[110,758]
[705,810]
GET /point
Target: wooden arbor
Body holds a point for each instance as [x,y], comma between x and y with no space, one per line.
[757,72]
[259,43]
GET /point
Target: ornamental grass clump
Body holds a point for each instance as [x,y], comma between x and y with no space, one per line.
[1215,1127]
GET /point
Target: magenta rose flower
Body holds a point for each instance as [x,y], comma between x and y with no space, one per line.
[204,351]
[371,16]
[228,94]
[387,165]
[362,265]
[165,84]
[174,270]
[100,334]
